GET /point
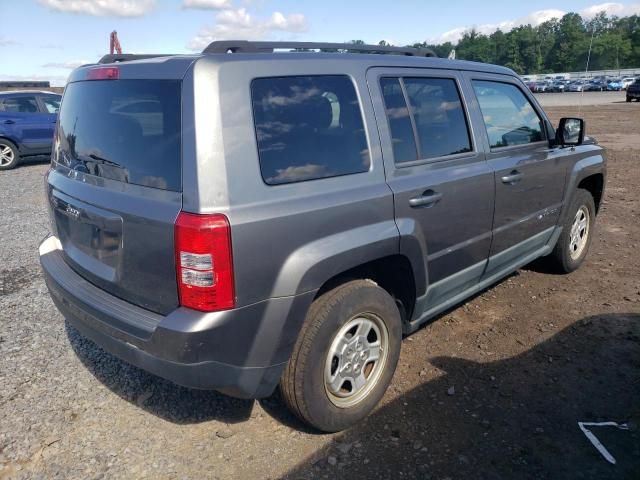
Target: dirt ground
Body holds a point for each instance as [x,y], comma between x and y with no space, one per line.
[572,100]
[492,389]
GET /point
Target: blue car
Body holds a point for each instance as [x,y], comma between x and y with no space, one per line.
[615,85]
[27,123]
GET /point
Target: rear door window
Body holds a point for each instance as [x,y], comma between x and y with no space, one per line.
[308,127]
[126,130]
[435,125]
[441,122]
[22,104]
[508,115]
[402,137]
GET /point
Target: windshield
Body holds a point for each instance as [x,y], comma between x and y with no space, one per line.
[126,130]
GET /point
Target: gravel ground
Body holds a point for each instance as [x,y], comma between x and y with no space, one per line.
[492,389]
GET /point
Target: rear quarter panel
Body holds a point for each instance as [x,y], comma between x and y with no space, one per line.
[287,239]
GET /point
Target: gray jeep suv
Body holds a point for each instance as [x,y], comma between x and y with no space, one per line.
[247,217]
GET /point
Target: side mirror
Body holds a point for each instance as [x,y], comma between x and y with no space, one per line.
[570,132]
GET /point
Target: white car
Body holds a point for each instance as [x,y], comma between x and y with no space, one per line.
[626,81]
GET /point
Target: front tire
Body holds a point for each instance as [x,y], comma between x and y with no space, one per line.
[9,156]
[345,356]
[577,232]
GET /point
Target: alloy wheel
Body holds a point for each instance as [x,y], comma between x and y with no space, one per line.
[6,155]
[579,232]
[356,359]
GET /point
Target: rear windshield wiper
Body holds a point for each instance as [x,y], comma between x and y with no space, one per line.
[102,160]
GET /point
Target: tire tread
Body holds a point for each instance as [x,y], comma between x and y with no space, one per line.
[291,385]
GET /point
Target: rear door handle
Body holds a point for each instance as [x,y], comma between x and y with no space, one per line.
[427,199]
[8,122]
[514,177]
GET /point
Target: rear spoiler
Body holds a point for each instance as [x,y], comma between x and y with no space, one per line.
[128,57]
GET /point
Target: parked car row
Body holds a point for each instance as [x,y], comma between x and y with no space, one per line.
[598,84]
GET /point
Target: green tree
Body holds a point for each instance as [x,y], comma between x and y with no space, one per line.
[557,45]
[474,46]
[569,48]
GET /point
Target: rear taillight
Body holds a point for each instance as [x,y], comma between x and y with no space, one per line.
[204,264]
[103,73]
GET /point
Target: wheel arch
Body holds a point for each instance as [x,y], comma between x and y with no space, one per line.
[591,172]
[11,140]
[594,184]
[392,273]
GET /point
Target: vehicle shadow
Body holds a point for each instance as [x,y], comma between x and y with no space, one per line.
[510,418]
[157,396]
[543,265]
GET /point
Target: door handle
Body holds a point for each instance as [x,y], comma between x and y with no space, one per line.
[8,122]
[427,199]
[514,177]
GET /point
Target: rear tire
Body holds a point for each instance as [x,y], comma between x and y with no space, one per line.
[9,156]
[345,356]
[577,232]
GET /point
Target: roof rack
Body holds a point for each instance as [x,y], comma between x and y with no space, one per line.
[127,57]
[245,46]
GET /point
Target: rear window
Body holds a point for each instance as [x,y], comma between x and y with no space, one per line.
[51,103]
[126,130]
[308,127]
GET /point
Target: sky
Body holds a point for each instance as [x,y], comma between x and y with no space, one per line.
[46,39]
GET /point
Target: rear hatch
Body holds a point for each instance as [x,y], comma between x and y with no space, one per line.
[115,185]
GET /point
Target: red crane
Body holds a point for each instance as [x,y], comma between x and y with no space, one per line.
[114,44]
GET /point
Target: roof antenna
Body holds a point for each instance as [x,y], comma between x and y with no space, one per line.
[586,70]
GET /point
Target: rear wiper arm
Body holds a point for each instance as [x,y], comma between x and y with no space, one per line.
[99,159]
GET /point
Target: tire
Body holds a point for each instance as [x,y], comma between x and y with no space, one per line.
[9,156]
[569,253]
[628,98]
[320,354]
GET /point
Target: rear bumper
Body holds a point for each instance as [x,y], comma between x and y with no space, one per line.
[633,94]
[240,352]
